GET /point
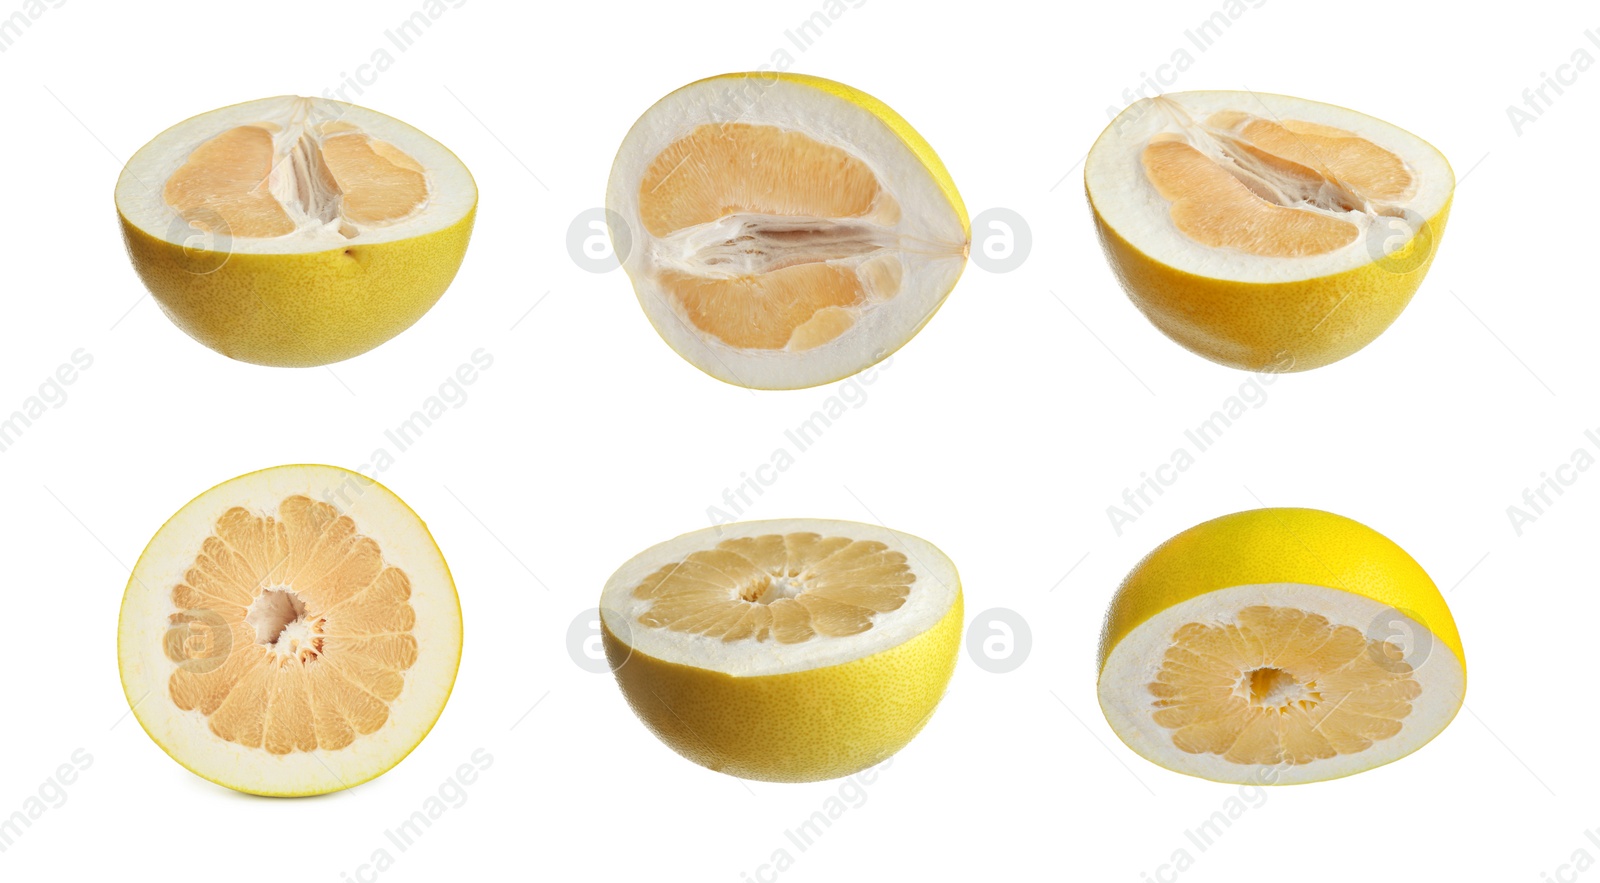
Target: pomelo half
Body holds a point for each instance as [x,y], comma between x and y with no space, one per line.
[1279,646]
[787,651]
[1262,231]
[784,231]
[289,632]
[295,231]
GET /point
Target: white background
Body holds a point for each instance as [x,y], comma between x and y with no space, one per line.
[1002,433]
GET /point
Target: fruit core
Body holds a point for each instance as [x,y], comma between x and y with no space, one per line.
[266,180]
[1272,187]
[1280,685]
[787,588]
[769,239]
[1277,689]
[289,632]
[279,619]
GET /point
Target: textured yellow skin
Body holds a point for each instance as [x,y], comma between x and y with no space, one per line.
[299,310]
[1306,546]
[799,727]
[911,137]
[133,701]
[1259,546]
[1278,326]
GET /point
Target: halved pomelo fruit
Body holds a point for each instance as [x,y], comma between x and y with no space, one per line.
[295,231]
[289,632]
[781,230]
[1279,646]
[1262,231]
[787,651]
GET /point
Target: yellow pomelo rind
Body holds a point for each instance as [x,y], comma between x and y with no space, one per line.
[1278,326]
[1281,326]
[803,726]
[1263,546]
[299,310]
[134,702]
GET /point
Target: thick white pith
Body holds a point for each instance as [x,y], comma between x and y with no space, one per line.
[1130,204]
[934,589]
[921,234]
[1136,663]
[280,629]
[298,180]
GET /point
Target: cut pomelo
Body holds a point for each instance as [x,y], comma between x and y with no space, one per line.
[292,631]
[787,651]
[1279,646]
[784,231]
[1262,231]
[295,231]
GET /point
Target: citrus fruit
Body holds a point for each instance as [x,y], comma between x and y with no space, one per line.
[289,632]
[1278,646]
[295,231]
[787,651]
[1262,231]
[783,231]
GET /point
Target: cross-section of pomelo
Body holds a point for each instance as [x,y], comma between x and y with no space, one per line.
[784,231]
[295,231]
[289,632]
[787,651]
[1262,231]
[1278,646]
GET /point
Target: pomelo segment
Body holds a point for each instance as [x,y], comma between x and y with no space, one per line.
[289,632]
[784,231]
[1262,231]
[295,231]
[1279,646]
[786,651]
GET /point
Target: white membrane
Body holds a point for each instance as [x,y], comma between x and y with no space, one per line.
[451,191]
[929,223]
[1130,205]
